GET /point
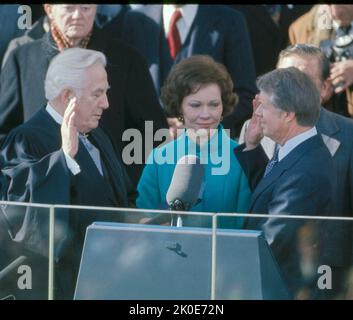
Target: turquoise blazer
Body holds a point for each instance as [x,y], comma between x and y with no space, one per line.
[226,187]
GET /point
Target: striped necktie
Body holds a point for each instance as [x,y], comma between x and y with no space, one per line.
[272,162]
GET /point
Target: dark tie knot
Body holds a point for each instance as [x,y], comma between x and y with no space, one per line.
[175,17]
[84,135]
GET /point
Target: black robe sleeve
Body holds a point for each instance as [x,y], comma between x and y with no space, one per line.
[30,176]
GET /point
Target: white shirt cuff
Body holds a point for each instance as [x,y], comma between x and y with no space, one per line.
[72,165]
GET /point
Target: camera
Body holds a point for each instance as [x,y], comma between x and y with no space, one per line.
[338,49]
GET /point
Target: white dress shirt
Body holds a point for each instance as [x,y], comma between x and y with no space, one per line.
[71,163]
[294,142]
[184,24]
[136,6]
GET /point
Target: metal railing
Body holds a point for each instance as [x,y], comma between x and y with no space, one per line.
[52,213]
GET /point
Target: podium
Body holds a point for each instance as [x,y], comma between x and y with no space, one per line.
[135,262]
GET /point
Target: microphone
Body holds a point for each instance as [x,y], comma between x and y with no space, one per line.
[184,189]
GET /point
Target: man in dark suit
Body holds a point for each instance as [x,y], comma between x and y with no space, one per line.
[213,30]
[268,29]
[286,110]
[336,132]
[335,129]
[132,98]
[61,156]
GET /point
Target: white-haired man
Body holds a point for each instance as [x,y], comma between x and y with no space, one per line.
[60,156]
[132,98]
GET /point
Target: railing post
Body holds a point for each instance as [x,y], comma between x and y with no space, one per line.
[213,257]
[51,253]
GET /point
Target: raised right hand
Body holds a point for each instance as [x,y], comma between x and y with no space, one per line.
[69,132]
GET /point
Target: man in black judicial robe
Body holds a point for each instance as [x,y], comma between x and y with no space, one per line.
[36,169]
[132,99]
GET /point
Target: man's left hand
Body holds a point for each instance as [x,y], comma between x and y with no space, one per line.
[254,132]
[342,75]
[175,127]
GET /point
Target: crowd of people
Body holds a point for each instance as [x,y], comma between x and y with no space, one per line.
[260,93]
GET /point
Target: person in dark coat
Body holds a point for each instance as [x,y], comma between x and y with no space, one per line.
[298,180]
[336,132]
[268,30]
[61,156]
[132,97]
[9,28]
[110,24]
[39,28]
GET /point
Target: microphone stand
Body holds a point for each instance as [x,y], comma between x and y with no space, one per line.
[178,205]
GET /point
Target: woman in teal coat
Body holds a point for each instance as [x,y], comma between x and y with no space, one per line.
[199,92]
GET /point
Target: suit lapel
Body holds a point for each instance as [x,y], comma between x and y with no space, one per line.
[157,44]
[329,129]
[154,12]
[49,47]
[327,124]
[281,167]
[267,181]
[201,40]
[263,16]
